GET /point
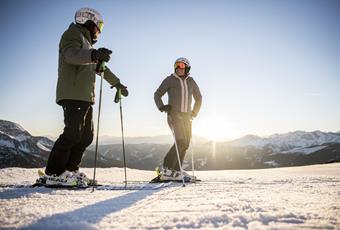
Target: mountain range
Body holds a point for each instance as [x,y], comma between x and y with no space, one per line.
[18,148]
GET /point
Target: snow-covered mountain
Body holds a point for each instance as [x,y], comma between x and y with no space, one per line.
[19,147]
[288,141]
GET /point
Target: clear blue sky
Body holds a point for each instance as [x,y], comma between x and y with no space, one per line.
[263,66]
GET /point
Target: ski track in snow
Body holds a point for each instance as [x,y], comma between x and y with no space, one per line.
[283,198]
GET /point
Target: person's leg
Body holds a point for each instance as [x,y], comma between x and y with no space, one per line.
[171,156]
[168,159]
[74,114]
[177,124]
[184,143]
[77,150]
[182,128]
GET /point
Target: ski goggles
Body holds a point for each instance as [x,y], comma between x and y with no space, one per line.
[100,26]
[180,65]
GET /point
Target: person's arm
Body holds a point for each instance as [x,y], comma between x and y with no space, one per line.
[162,89]
[198,100]
[110,77]
[71,49]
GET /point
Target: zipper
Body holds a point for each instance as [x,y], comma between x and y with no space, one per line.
[184,93]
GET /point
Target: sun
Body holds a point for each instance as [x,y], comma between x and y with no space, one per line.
[214,128]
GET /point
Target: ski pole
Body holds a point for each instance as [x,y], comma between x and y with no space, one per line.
[192,155]
[100,67]
[179,160]
[122,128]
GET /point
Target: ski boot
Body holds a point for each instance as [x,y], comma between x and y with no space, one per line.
[66,179]
[83,179]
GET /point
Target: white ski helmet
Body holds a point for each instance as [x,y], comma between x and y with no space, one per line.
[185,61]
[84,14]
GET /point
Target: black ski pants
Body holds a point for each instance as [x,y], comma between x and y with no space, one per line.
[69,148]
[180,125]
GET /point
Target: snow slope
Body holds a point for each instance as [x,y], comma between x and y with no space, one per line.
[281,198]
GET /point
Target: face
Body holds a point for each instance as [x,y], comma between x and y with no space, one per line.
[180,68]
[180,71]
[96,33]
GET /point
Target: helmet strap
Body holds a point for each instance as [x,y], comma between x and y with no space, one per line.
[186,74]
[187,70]
[90,26]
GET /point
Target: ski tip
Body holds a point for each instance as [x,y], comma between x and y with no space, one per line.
[41,173]
[158,171]
[155,180]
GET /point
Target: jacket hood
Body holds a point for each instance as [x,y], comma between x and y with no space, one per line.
[83,30]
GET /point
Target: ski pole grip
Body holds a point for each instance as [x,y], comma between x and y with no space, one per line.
[100,67]
[118,96]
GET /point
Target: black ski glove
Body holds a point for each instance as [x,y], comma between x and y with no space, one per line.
[165,108]
[101,54]
[123,91]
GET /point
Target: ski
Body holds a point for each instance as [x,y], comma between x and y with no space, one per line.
[135,186]
[107,187]
[40,185]
[157,179]
[60,186]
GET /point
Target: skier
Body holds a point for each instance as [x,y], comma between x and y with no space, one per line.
[78,66]
[180,88]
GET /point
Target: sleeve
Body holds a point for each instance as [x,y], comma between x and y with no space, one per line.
[71,49]
[162,89]
[198,99]
[110,77]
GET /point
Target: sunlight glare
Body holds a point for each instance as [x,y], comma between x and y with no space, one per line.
[215,128]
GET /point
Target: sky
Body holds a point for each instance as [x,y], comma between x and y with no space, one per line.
[263,67]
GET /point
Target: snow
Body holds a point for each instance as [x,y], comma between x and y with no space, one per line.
[6,143]
[23,147]
[41,146]
[21,137]
[45,142]
[271,163]
[306,151]
[150,155]
[280,198]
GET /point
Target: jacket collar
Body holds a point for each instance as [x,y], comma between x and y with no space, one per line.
[176,76]
[83,30]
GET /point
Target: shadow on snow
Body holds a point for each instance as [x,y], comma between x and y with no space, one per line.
[91,214]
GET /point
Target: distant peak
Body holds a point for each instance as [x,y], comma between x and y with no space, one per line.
[250,137]
[13,129]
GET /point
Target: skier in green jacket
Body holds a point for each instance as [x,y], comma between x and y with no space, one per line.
[76,94]
[181,88]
